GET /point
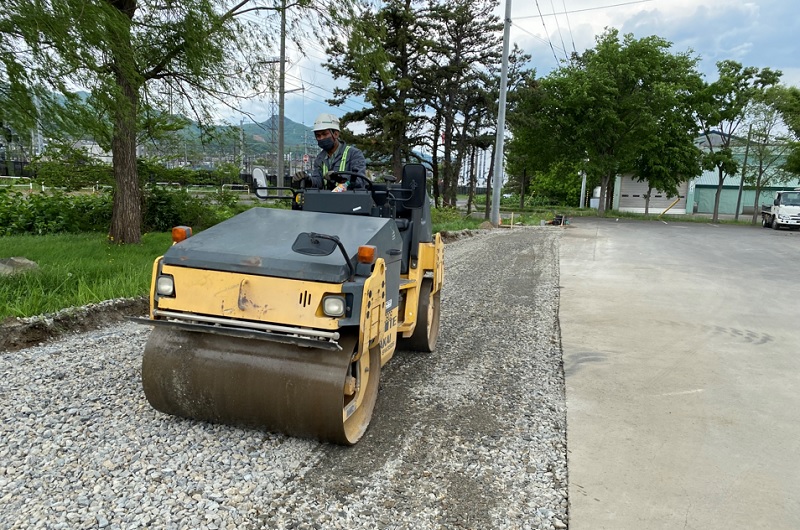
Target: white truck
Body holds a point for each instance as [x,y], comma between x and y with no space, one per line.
[783,212]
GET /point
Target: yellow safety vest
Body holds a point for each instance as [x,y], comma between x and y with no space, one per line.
[342,164]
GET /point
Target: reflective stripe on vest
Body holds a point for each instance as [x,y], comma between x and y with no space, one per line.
[342,164]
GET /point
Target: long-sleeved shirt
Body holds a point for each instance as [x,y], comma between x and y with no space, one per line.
[354,161]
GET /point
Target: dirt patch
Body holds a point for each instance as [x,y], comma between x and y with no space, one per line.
[450,236]
[18,333]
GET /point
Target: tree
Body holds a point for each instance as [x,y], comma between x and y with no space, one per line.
[669,157]
[464,41]
[767,145]
[142,61]
[788,105]
[380,60]
[608,106]
[721,107]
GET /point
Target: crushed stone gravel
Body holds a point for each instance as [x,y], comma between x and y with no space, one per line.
[471,436]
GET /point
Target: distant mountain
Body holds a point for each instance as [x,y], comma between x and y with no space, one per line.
[296,136]
[259,138]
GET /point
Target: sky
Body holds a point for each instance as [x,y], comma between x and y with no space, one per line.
[761,34]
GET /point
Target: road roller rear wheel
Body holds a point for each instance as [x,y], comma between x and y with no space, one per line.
[426,331]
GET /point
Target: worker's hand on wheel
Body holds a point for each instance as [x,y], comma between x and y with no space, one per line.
[299,176]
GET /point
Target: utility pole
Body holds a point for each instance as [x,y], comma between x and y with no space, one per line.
[744,168]
[582,203]
[243,166]
[501,122]
[281,93]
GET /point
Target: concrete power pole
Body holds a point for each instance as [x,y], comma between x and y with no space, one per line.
[497,185]
[281,93]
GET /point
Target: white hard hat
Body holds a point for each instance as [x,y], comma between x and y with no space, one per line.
[325,122]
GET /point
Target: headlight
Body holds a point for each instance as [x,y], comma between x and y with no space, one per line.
[333,306]
[165,286]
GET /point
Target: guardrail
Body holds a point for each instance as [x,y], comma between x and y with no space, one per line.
[16,182]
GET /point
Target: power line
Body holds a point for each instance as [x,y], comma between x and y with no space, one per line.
[571,36]
[560,36]
[537,37]
[586,9]
[546,32]
[304,83]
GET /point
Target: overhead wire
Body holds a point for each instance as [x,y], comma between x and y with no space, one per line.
[271,25]
[560,35]
[537,37]
[569,25]
[589,9]
[547,34]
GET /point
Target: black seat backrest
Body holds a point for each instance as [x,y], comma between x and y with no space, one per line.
[414,176]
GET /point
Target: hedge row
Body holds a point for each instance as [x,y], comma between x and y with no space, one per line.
[74,175]
[49,213]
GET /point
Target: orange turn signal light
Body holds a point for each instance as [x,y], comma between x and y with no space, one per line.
[366,254]
[179,233]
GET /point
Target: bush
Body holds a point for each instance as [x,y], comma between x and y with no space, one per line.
[50,213]
[165,208]
[59,212]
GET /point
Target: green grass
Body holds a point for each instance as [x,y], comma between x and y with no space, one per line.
[75,270]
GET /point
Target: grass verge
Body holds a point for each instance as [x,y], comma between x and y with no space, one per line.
[75,270]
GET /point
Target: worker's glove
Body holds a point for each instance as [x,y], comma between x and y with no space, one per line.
[299,176]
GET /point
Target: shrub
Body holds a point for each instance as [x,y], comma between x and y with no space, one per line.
[49,213]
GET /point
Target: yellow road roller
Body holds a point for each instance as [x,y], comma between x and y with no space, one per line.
[281,319]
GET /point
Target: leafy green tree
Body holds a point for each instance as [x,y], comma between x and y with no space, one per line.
[788,105]
[669,157]
[535,148]
[559,184]
[768,144]
[66,166]
[721,106]
[142,61]
[608,106]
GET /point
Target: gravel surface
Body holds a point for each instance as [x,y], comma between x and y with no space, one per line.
[471,436]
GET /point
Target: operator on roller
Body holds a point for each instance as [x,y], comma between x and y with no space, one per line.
[336,155]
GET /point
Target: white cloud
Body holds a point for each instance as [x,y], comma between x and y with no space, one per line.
[762,34]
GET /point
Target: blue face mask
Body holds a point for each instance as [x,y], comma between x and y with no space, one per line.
[326,144]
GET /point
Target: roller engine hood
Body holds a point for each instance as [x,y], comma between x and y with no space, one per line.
[259,242]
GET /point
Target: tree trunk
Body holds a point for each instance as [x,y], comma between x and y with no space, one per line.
[126,219]
[756,205]
[601,203]
[437,200]
[449,180]
[473,178]
[488,210]
[397,162]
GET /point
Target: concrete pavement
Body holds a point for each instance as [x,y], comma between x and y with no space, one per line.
[682,361]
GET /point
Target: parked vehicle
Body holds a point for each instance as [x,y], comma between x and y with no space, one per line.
[783,212]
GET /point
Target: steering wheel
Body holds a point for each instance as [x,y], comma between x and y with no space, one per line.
[331,175]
